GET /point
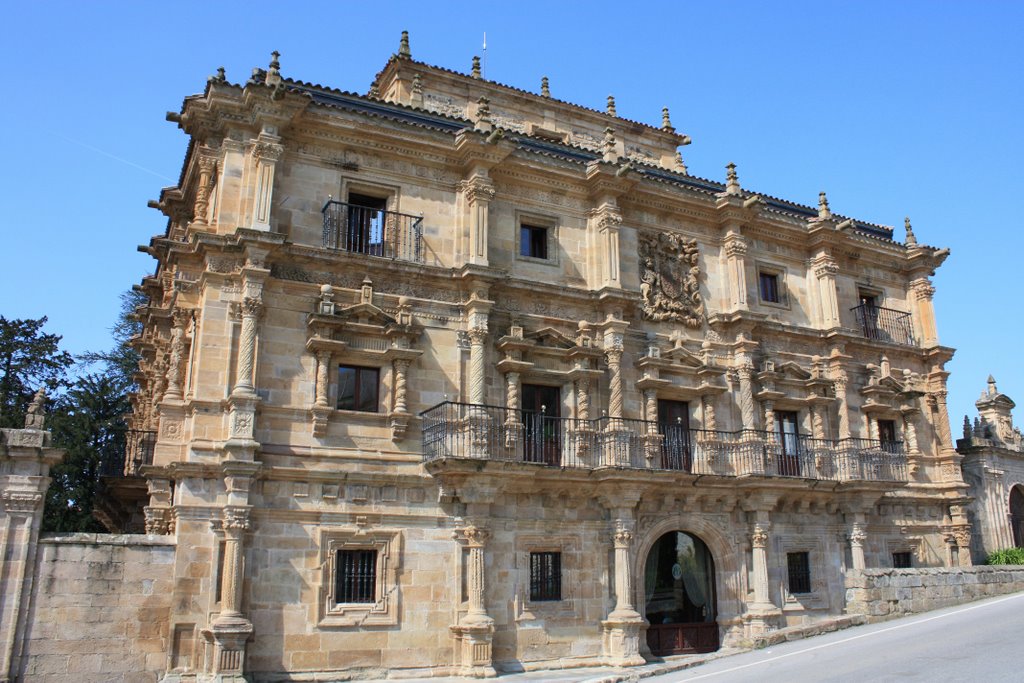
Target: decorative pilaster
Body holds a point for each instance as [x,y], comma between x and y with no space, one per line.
[321,407]
[177,355]
[942,422]
[922,291]
[735,249]
[478,191]
[962,538]
[207,166]
[707,403]
[825,270]
[621,638]
[606,220]
[399,418]
[769,419]
[475,629]
[840,382]
[265,152]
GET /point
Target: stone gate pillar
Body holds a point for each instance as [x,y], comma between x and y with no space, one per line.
[621,629]
[475,629]
[25,461]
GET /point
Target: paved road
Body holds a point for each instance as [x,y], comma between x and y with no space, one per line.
[980,641]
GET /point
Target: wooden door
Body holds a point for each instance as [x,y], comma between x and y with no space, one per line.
[787,434]
[674,427]
[541,423]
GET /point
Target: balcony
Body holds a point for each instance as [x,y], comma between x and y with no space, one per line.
[372,232]
[138,451]
[492,433]
[885,324]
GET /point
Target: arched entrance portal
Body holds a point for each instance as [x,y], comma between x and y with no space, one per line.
[1017,515]
[679,596]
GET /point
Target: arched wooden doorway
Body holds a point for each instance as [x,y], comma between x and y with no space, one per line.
[679,596]
[1017,515]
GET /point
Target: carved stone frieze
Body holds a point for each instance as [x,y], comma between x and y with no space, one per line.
[670,279]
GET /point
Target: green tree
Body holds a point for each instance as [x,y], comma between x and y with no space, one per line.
[29,359]
[122,360]
[88,421]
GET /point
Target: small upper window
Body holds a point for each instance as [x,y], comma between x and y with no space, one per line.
[533,241]
[902,560]
[769,287]
[867,299]
[356,576]
[357,388]
[545,576]
[799,567]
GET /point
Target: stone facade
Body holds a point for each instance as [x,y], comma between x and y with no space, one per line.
[436,379]
[993,465]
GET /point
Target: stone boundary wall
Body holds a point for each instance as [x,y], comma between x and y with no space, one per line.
[889,593]
[99,610]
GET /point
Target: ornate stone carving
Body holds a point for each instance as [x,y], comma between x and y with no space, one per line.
[22,502]
[236,518]
[759,539]
[35,418]
[158,520]
[670,279]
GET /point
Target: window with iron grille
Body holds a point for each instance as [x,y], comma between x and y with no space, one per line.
[356,577]
[545,576]
[799,566]
[902,560]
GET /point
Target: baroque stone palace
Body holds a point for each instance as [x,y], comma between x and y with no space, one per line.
[452,377]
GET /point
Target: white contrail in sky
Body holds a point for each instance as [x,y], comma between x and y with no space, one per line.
[117,158]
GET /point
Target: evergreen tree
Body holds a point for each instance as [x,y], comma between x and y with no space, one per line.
[29,359]
[88,421]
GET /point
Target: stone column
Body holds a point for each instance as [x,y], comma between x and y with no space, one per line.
[230,630]
[857,537]
[962,537]
[583,398]
[842,408]
[475,630]
[401,368]
[265,152]
[736,271]
[614,357]
[477,357]
[252,308]
[817,421]
[323,379]
[942,424]
[607,221]
[746,373]
[922,291]
[622,627]
[762,614]
[769,419]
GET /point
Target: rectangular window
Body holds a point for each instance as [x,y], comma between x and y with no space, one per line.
[357,388]
[902,560]
[769,286]
[799,566]
[356,577]
[533,241]
[366,223]
[887,435]
[545,576]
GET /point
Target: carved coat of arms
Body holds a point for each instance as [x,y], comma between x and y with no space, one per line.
[670,279]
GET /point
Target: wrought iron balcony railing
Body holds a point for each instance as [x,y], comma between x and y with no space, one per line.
[138,451]
[481,432]
[885,324]
[373,232]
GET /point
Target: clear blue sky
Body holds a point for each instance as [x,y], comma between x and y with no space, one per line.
[893,108]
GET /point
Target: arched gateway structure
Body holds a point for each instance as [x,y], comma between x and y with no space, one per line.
[679,596]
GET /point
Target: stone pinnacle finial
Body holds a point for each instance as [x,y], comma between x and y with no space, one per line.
[666,122]
[992,391]
[544,90]
[680,166]
[221,76]
[823,211]
[608,145]
[732,180]
[967,427]
[403,46]
[476,67]
[274,71]
[483,115]
[610,110]
[911,239]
